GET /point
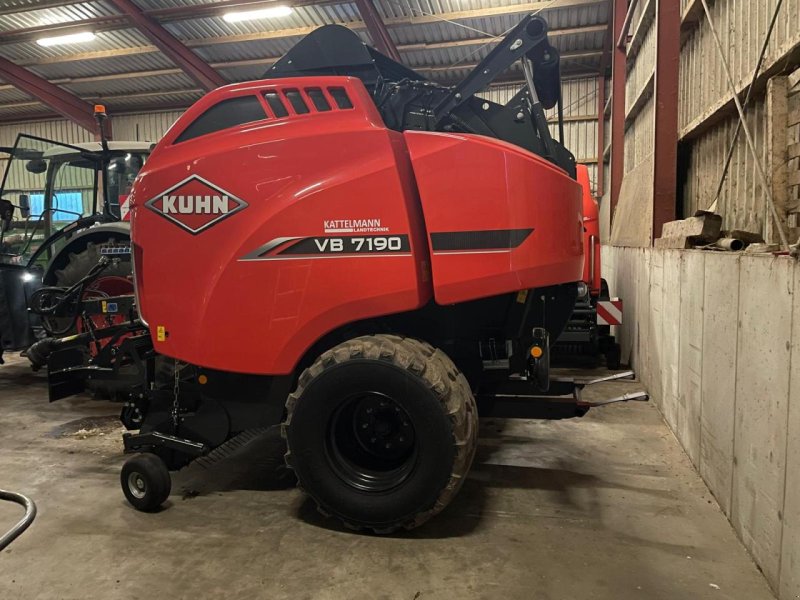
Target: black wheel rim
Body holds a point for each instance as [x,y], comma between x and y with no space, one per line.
[371,442]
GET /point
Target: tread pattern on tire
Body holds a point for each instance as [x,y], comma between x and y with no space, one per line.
[441,376]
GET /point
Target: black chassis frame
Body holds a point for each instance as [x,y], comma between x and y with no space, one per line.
[209,407]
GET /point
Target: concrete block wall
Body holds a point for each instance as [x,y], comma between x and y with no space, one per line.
[715,338]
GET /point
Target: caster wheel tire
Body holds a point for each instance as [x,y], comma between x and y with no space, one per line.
[145,482]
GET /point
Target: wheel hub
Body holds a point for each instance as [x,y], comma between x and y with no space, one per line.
[382,427]
[137,485]
[371,443]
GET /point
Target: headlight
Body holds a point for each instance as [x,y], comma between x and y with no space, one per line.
[583,289]
[26,277]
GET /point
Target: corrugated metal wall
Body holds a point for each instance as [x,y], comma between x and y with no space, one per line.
[146,127]
[639,108]
[580,113]
[742,26]
[742,202]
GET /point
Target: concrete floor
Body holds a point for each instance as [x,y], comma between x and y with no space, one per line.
[604,507]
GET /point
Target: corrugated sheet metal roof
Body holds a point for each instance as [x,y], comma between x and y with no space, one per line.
[91,70]
[29,16]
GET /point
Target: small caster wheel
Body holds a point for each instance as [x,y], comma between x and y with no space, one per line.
[145,481]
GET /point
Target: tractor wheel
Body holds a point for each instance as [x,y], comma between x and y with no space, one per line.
[381,432]
[113,281]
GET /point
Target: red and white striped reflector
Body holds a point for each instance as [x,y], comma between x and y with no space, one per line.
[125,208]
[609,312]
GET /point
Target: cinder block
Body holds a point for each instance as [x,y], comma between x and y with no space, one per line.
[691,351]
[790,554]
[706,227]
[720,316]
[762,393]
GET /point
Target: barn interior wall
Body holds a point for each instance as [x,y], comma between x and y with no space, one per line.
[715,337]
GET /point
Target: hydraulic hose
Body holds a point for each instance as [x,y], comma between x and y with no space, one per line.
[24,523]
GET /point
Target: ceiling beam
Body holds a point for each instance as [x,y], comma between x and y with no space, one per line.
[212,9]
[203,42]
[188,61]
[266,62]
[377,29]
[59,100]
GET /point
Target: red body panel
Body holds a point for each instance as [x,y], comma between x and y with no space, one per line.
[294,173]
[253,242]
[472,183]
[591,233]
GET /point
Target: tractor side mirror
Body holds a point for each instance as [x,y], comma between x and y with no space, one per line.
[36,166]
[24,205]
[6,215]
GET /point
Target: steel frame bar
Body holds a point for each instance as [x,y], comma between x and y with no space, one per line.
[667,71]
[188,61]
[59,100]
[377,29]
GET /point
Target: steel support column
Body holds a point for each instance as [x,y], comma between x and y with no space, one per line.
[60,100]
[377,29]
[188,61]
[665,176]
[619,76]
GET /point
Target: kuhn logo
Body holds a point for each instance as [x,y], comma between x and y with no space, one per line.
[195,204]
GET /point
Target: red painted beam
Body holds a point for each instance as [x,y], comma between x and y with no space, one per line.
[601,106]
[377,29]
[191,64]
[665,177]
[59,100]
[619,76]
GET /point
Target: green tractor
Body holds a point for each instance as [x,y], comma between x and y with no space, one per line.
[62,208]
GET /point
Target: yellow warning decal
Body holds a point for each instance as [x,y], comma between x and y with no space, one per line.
[161,334]
[104,306]
[522,296]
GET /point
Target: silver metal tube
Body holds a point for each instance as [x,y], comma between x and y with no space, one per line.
[527,68]
[24,523]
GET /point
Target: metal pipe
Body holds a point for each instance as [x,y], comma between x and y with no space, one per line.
[622,42]
[730,244]
[24,523]
[592,240]
[759,167]
[747,99]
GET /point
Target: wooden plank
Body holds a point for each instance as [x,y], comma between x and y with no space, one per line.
[794,117]
[777,161]
[793,151]
[793,179]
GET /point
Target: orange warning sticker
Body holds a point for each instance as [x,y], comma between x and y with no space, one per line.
[161,333]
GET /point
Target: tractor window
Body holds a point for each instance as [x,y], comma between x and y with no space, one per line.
[228,113]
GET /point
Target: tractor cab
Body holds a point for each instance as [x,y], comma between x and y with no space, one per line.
[52,195]
[49,186]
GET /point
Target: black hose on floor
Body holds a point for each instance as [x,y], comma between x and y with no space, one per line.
[24,523]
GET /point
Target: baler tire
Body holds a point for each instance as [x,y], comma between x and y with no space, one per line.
[148,474]
[438,404]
